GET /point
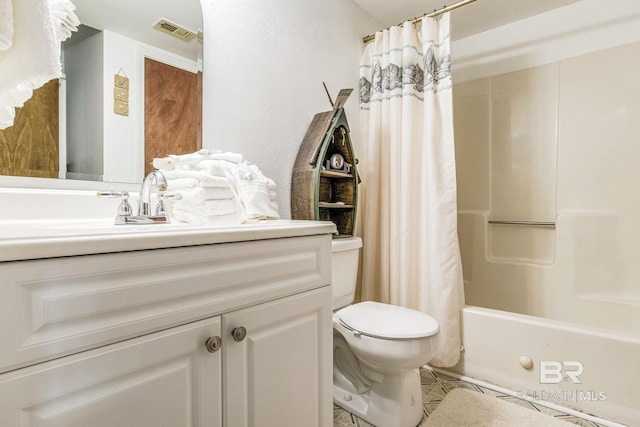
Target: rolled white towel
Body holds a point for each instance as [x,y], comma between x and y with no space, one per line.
[254,198]
[248,172]
[209,181]
[220,207]
[220,220]
[181,183]
[257,174]
[188,217]
[201,194]
[164,164]
[174,161]
[64,18]
[12,99]
[215,167]
[32,59]
[227,156]
[6,24]
[246,191]
[197,177]
[255,170]
[208,208]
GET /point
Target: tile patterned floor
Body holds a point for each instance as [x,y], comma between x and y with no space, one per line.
[435,387]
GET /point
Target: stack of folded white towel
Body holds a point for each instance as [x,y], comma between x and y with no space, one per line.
[217,188]
[30,35]
[64,18]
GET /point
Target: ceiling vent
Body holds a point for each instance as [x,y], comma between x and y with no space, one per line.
[174,29]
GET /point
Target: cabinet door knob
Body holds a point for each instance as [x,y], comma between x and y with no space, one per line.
[239,333]
[213,344]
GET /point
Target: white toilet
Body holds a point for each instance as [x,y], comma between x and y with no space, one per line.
[377,349]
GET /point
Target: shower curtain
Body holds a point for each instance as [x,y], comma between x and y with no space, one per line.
[411,255]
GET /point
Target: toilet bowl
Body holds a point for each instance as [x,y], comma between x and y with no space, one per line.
[377,349]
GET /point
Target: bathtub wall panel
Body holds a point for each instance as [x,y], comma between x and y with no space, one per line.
[472,103]
[524,117]
[561,147]
[599,130]
[598,170]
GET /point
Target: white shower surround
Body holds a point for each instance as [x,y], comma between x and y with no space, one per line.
[593,328]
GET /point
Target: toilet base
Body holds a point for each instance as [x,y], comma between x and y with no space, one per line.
[395,401]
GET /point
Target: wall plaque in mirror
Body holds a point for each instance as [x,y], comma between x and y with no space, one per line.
[69,129]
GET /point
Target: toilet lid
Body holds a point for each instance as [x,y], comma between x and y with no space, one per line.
[387,321]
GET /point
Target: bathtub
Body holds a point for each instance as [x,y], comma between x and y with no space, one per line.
[599,368]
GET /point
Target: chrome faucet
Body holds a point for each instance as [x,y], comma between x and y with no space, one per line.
[157,178]
[144,216]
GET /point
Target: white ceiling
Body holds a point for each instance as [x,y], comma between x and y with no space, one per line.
[135,19]
[470,19]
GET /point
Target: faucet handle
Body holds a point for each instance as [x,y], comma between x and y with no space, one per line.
[163,196]
[112,194]
[161,208]
[124,209]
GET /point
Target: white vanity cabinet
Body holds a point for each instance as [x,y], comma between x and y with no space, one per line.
[276,376]
[163,379]
[121,339]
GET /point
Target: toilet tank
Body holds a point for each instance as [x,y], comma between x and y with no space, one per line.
[344,270]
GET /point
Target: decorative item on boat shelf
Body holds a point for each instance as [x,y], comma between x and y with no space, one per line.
[324,185]
[337,163]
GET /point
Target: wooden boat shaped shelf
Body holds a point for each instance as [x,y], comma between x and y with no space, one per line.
[324,185]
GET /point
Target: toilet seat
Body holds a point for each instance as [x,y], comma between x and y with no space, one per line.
[387,321]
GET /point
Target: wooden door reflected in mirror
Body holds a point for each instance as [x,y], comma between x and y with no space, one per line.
[173,111]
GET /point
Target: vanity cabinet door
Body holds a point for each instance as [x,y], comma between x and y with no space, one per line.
[278,369]
[168,378]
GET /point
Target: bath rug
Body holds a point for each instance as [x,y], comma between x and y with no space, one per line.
[465,408]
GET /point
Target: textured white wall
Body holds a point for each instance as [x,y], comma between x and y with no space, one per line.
[122,160]
[264,64]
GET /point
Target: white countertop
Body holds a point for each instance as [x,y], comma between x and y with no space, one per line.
[34,239]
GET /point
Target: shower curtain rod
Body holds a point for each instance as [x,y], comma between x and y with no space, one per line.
[445,9]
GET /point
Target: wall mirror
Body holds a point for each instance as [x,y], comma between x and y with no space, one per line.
[129,92]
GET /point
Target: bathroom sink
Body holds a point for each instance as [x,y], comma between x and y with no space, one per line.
[55,228]
[52,228]
[31,239]
[50,223]
[109,227]
[85,228]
